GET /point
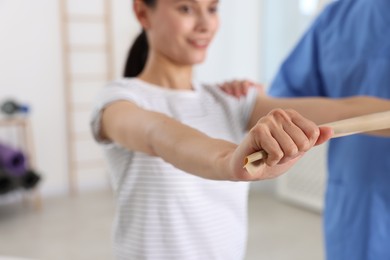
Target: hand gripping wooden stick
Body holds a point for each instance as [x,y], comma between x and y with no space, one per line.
[350,126]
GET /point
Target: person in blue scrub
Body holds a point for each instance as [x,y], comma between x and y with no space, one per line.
[347,52]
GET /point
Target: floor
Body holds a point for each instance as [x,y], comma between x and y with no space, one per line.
[79,229]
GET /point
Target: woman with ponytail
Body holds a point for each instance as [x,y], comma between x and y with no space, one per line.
[176,148]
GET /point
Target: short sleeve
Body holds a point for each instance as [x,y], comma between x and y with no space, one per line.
[113,92]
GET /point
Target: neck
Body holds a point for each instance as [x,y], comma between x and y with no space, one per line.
[165,73]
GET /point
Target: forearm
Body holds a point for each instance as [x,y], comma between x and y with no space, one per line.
[190,150]
[323,110]
[158,135]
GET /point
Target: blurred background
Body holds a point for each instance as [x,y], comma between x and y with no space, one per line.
[56,55]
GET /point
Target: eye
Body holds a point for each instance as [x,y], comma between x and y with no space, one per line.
[185,9]
[213,9]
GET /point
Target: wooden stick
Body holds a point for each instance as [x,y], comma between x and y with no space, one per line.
[350,126]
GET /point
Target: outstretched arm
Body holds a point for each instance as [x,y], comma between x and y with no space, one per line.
[322,110]
[283,134]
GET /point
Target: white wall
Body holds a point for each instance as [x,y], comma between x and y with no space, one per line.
[125,29]
[236,50]
[31,66]
[284,24]
[30,71]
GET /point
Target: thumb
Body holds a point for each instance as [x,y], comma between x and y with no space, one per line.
[326,133]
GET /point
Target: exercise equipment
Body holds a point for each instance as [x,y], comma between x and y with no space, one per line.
[11,107]
[12,160]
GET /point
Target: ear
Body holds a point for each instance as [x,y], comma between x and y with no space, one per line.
[141,12]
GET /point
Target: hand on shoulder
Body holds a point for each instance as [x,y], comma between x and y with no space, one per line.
[239,88]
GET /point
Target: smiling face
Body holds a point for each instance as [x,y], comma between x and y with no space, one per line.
[181,30]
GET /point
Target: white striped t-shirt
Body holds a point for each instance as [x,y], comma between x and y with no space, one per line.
[163,212]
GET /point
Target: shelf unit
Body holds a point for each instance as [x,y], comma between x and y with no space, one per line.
[17,132]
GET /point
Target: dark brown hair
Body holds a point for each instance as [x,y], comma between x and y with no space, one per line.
[138,53]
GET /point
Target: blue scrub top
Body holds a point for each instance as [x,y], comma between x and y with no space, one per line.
[347,52]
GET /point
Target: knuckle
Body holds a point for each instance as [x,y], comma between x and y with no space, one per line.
[279,114]
[291,151]
[266,119]
[314,133]
[291,111]
[303,146]
[276,111]
[259,130]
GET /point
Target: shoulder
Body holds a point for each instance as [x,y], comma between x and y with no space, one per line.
[124,83]
[218,94]
[240,108]
[129,89]
[214,91]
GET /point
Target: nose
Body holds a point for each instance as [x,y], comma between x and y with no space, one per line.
[204,22]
